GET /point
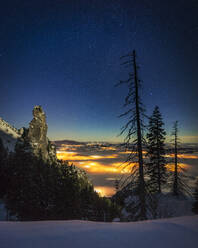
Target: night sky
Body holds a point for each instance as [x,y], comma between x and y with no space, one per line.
[65,56]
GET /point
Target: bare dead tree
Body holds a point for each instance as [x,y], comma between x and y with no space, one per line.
[180,177]
[175,183]
[134,136]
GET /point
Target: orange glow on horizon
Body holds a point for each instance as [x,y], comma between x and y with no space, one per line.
[98,168]
[93,163]
[130,152]
[181,166]
[105,190]
[187,156]
[109,148]
[109,161]
[74,156]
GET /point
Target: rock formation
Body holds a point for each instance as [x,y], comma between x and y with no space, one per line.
[37,136]
[33,138]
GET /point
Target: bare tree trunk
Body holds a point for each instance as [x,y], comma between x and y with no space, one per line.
[158,158]
[139,143]
[159,177]
[175,187]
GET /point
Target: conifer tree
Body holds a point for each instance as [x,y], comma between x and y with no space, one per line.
[134,137]
[3,162]
[37,190]
[156,167]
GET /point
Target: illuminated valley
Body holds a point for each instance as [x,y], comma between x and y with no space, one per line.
[104,163]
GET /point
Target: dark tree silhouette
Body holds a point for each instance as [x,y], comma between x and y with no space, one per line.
[37,190]
[116,183]
[134,137]
[3,162]
[179,186]
[156,167]
[175,134]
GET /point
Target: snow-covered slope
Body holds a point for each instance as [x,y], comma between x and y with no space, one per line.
[179,232]
[171,206]
[9,135]
[168,206]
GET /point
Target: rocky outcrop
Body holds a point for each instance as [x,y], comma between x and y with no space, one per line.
[33,139]
[37,136]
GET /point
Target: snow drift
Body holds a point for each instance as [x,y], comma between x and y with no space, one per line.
[179,232]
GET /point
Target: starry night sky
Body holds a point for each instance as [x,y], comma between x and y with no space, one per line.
[65,56]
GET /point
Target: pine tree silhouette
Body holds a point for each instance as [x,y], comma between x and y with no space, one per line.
[156,167]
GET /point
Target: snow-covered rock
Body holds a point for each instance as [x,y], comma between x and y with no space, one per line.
[9,135]
[179,232]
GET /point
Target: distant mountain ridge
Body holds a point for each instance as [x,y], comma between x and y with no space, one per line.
[69,142]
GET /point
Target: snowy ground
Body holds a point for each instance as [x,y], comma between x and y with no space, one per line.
[179,232]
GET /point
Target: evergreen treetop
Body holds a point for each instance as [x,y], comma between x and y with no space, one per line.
[156,167]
